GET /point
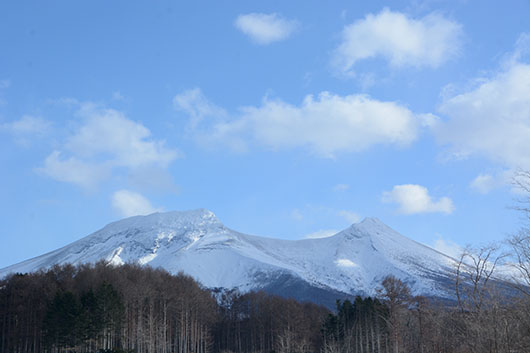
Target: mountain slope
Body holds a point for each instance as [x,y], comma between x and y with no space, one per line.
[351,262]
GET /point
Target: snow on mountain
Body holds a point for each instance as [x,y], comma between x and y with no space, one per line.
[354,261]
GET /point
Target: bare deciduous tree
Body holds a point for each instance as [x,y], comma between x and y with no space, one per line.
[474,272]
[520,242]
[396,295]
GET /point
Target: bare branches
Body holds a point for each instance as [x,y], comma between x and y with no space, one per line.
[474,271]
[521,181]
[396,294]
[520,242]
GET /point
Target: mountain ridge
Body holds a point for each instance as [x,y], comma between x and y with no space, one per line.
[352,262]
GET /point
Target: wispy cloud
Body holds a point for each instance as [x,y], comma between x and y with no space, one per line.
[492,120]
[448,247]
[129,203]
[27,128]
[194,103]
[403,41]
[265,28]
[350,216]
[341,187]
[75,171]
[483,183]
[413,199]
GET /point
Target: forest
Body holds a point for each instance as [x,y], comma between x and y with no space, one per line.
[129,308]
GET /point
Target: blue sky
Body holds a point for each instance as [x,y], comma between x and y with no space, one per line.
[286,119]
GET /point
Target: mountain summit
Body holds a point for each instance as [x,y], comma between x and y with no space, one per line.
[351,262]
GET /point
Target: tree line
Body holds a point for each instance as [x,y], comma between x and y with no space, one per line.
[102,308]
[108,309]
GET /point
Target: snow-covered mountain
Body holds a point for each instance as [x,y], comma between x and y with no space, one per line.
[354,261]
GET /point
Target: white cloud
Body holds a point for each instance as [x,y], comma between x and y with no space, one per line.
[403,41]
[322,233]
[522,48]
[73,170]
[265,28]
[29,125]
[491,120]
[129,203]
[196,106]
[341,187]
[27,128]
[108,132]
[413,199]
[483,183]
[325,125]
[106,140]
[350,216]
[448,247]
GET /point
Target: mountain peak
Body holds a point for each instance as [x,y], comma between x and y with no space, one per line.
[198,218]
[369,225]
[367,228]
[371,220]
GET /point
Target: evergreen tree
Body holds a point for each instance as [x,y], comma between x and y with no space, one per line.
[91,319]
[62,321]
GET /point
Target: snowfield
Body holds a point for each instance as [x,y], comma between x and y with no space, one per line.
[353,261]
